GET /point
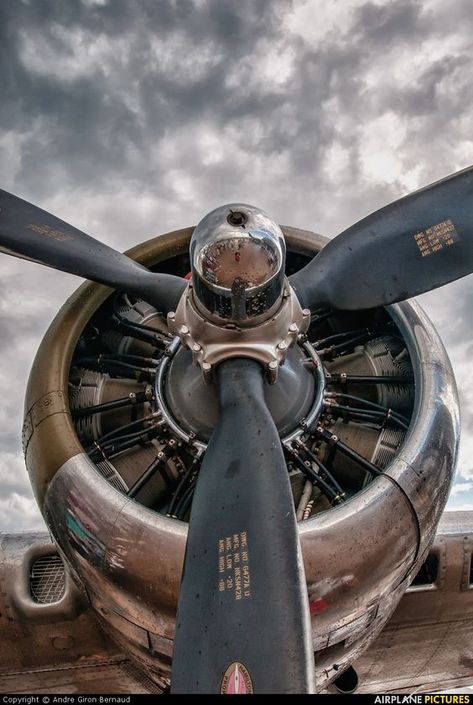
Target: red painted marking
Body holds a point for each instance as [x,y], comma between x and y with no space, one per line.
[318,606]
[236,683]
[188,276]
[236,680]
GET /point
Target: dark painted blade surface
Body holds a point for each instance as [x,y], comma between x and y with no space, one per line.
[416,244]
[243,616]
[32,233]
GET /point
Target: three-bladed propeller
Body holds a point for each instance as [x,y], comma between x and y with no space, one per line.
[29,232]
[415,244]
[243,620]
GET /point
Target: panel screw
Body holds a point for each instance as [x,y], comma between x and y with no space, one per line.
[282,345]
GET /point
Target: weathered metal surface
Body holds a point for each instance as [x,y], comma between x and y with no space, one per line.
[58,647]
[358,557]
[129,557]
[115,675]
[425,465]
[427,644]
[51,366]
[40,637]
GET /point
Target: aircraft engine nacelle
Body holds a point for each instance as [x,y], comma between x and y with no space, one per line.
[117,417]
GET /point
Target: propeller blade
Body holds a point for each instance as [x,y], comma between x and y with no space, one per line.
[31,233]
[243,619]
[415,244]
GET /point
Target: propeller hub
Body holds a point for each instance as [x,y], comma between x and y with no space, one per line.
[191,405]
[267,342]
[238,303]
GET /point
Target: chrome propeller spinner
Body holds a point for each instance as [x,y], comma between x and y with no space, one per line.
[239,302]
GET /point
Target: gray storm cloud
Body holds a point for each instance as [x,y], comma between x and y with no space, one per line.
[130,119]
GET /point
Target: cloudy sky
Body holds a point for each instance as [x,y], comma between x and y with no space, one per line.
[132,118]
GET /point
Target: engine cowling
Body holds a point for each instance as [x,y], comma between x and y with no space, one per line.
[360,550]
